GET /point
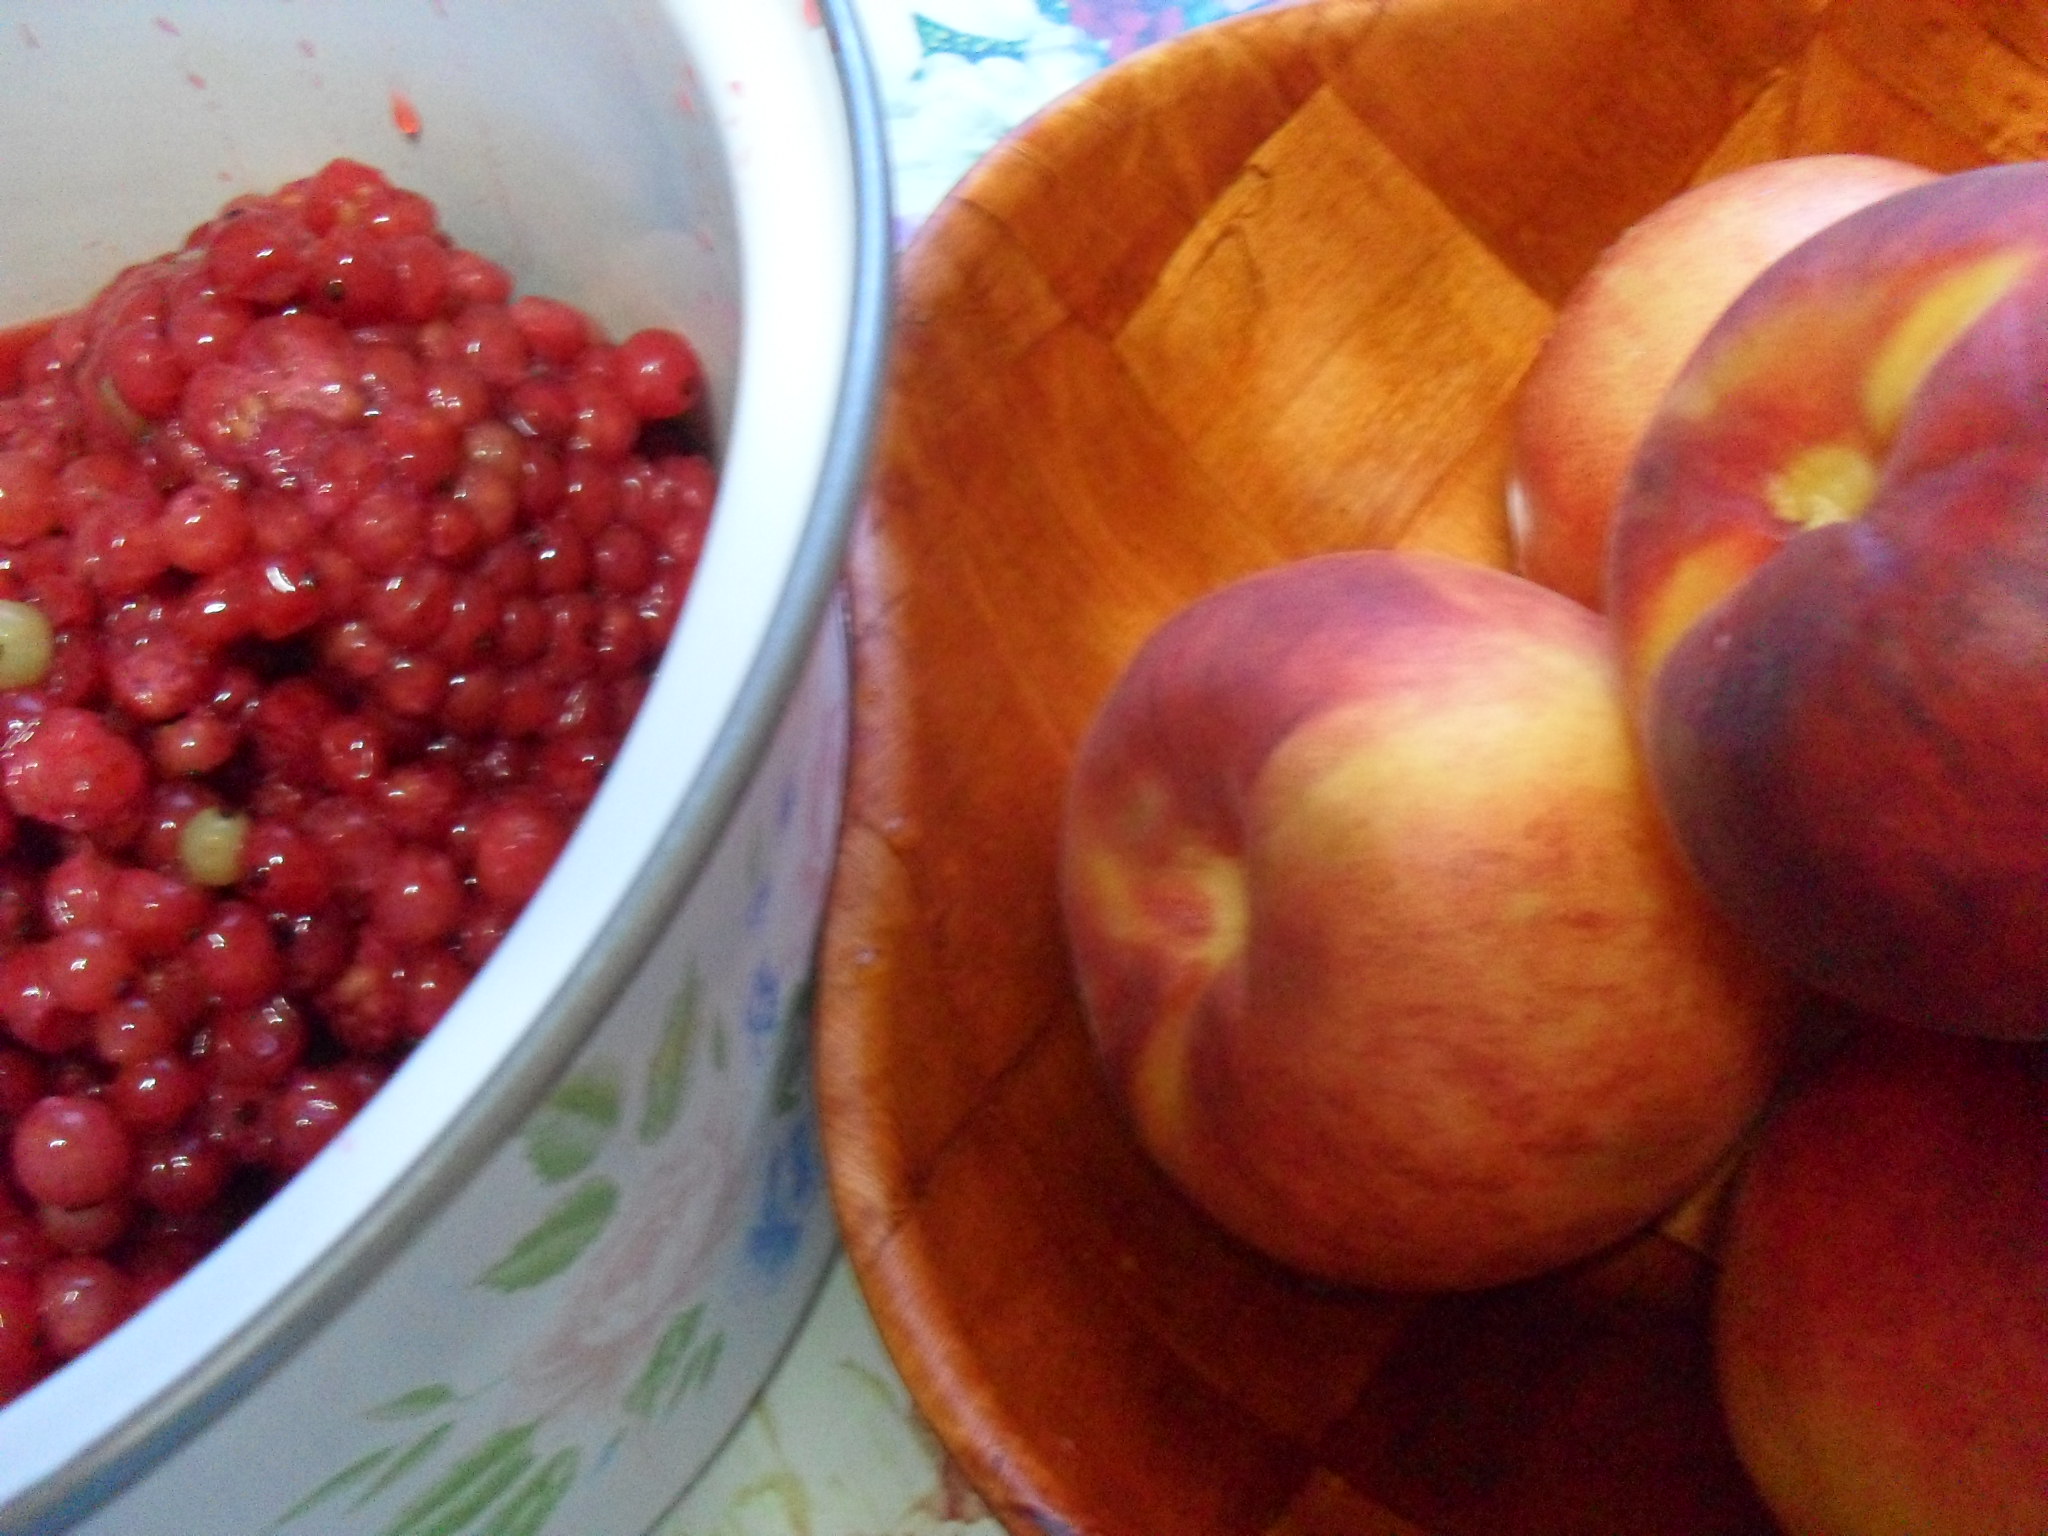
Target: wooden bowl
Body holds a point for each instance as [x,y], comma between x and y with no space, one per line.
[1260,292]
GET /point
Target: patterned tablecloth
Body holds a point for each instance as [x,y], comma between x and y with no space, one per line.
[834,1447]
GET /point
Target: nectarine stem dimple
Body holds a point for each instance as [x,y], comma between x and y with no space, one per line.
[1927,330]
[1827,484]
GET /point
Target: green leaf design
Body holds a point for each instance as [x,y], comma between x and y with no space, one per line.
[409,1458]
[568,1131]
[665,1362]
[416,1404]
[533,1504]
[335,1486]
[558,1241]
[470,1487]
[794,1062]
[881,1397]
[697,1372]
[668,1070]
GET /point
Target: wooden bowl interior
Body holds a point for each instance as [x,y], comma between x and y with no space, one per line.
[1261,292]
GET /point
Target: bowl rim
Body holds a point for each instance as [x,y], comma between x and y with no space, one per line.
[111,1461]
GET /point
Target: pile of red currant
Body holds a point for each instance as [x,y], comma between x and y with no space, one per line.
[331,575]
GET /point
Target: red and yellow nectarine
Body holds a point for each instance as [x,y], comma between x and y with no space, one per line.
[1629,325]
[1381,936]
[1829,580]
[1881,1318]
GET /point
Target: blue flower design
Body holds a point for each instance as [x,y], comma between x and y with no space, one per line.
[758,905]
[763,1008]
[794,1179]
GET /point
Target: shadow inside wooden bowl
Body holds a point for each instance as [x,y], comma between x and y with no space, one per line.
[1257,293]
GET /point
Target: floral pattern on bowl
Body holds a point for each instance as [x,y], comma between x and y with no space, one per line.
[629,1265]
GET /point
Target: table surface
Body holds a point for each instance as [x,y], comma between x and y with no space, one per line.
[834,1446]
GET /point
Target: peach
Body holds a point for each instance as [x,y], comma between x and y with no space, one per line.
[1626,329]
[1381,939]
[1829,579]
[1881,1317]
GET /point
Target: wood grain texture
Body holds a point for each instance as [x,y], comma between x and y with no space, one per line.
[1263,291]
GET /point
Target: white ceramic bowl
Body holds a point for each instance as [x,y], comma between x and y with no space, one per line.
[537,1280]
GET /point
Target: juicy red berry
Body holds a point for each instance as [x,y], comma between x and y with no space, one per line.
[155,912]
[285,597]
[476,279]
[28,498]
[309,1112]
[419,277]
[236,956]
[258,1046]
[433,981]
[342,192]
[87,967]
[606,423]
[145,369]
[79,1301]
[72,770]
[287,873]
[184,1175]
[658,374]
[419,800]
[419,898]
[422,448]
[353,752]
[158,676]
[351,278]
[493,344]
[29,1006]
[193,744]
[353,569]
[79,888]
[205,328]
[515,848]
[260,257]
[132,1030]
[70,1152]
[156,1093]
[204,528]
[556,332]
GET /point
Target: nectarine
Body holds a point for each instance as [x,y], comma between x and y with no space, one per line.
[1627,328]
[1381,937]
[1881,1318]
[1830,582]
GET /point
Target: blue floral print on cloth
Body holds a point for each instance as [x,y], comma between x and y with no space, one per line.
[958,74]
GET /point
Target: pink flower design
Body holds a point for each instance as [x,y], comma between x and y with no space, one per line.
[654,1256]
